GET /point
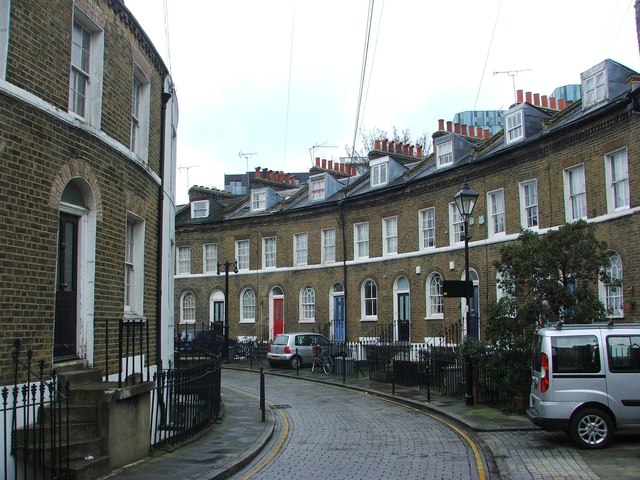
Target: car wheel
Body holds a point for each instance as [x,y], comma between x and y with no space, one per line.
[295,362]
[591,428]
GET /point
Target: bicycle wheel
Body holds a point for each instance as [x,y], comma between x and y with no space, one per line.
[327,365]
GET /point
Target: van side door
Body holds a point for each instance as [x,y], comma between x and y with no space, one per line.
[577,369]
[623,380]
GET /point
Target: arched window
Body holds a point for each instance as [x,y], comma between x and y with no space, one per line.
[307,304]
[435,304]
[247,306]
[369,296]
[188,308]
[611,294]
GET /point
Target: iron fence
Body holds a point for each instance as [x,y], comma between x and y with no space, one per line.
[35,419]
[185,401]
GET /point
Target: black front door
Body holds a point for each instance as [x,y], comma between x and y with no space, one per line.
[403,317]
[64,339]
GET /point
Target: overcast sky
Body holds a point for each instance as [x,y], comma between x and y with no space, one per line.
[274,79]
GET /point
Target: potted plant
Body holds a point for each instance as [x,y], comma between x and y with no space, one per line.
[629,305]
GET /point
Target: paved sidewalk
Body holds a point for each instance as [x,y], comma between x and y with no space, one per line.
[227,447]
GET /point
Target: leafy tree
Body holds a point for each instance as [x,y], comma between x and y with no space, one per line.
[548,278]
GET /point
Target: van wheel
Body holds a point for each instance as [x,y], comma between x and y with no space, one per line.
[295,362]
[591,428]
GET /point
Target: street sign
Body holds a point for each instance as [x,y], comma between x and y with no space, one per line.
[456,288]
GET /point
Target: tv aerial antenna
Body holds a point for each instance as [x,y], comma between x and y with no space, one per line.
[246,156]
[512,74]
[312,150]
[187,168]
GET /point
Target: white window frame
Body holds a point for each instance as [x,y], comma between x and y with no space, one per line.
[247,306]
[300,248]
[379,173]
[134,266]
[328,245]
[4,36]
[243,254]
[496,224]
[183,260]
[529,213]
[93,71]
[427,232]
[434,296]
[365,301]
[140,111]
[188,308]
[390,235]
[307,305]
[456,225]
[258,200]
[575,193]
[317,189]
[514,127]
[444,153]
[361,240]
[210,258]
[200,209]
[616,166]
[269,252]
[594,89]
[612,297]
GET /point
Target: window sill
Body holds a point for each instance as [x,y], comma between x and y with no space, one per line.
[369,319]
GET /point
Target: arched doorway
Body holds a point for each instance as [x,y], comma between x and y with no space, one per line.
[75,271]
[336,312]
[276,311]
[474,306]
[401,310]
[216,309]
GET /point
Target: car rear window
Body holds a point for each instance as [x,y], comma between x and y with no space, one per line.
[280,340]
[575,354]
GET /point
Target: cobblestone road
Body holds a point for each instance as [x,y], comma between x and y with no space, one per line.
[337,433]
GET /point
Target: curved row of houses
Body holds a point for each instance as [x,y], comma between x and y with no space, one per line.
[362,253]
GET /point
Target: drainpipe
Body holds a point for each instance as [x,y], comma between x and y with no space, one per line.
[166,96]
[344,266]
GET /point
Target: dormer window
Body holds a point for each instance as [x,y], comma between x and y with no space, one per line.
[514,130]
[317,189]
[258,200]
[200,209]
[445,153]
[379,174]
[594,89]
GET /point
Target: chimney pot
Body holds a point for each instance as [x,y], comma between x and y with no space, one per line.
[487,133]
[536,99]
[376,144]
[324,163]
[441,125]
[456,128]
[342,168]
[544,100]
[527,96]
[464,130]
[419,151]
[257,172]
[384,145]
[519,96]
[449,126]
[552,103]
[411,150]
[330,167]
[561,104]
[317,161]
[392,147]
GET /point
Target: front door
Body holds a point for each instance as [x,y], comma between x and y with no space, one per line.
[64,337]
[278,316]
[403,317]
[338,318]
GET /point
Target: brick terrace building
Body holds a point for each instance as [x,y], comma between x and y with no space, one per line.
[87,154]
[350,254]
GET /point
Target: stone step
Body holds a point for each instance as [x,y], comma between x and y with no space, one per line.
[89,468]
[76,432]
[79,377]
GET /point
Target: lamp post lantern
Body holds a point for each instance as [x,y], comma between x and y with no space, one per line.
[465,201]
[227,265]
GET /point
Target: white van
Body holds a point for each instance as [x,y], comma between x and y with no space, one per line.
[585,380]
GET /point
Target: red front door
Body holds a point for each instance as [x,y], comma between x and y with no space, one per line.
[278,316]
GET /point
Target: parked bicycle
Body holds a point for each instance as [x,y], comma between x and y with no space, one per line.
[322,358]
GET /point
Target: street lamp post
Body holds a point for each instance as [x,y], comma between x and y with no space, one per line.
[465,201]
[227,265]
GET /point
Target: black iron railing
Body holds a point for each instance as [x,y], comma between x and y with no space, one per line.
[184,401]
[35,419]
